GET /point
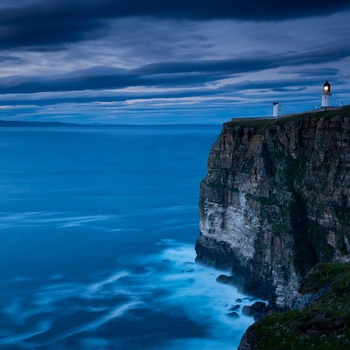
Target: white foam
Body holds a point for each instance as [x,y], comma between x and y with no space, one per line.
[19,312]
[98,286]
[195,290]
[57,276]
[83,220]
[189,288]
[123,230]
[41,328]
[51,294]
[96,324]
[159,210]
[37,219]
[20,279]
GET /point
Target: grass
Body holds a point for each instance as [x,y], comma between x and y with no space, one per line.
[264,124]
[323,326]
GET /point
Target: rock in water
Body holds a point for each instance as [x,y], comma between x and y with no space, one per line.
[226,279]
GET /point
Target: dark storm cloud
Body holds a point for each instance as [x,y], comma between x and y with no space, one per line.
[168,74]
[272,85]
[313,72]
[84,80]
[52,22]
[11,60]
[254,62]
[206,66]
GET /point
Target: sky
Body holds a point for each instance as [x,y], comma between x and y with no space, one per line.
[166,62]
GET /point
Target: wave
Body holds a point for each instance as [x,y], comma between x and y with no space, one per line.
[163,287]
[52,219]
[41,328]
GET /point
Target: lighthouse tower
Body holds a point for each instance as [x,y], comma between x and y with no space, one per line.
[276,109]
[326,94]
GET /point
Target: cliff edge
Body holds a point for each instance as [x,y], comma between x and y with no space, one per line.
[276,200]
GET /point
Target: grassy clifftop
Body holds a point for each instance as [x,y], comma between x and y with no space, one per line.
[266,123]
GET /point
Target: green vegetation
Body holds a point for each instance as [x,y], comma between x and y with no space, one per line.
[264,124]
[325,274]
[262,200]
[255,123]
[291,171]
[344,215]
[213,185]
[318,237]
[268,162]
[323,326]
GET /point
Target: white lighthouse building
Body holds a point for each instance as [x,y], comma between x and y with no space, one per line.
[276,109]
[326,95]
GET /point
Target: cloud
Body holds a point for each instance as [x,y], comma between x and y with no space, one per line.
[273,85]
[169,74]
[76,58]
[312,72]
[51,22]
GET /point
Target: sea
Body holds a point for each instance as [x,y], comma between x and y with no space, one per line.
[97,233]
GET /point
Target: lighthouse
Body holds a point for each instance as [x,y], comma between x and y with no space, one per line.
[276,109]
[326,95]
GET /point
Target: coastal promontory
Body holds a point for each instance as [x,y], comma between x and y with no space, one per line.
[276,201]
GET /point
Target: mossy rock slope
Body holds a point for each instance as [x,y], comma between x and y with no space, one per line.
[324,325]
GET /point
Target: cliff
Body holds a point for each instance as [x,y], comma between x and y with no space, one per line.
[276,200]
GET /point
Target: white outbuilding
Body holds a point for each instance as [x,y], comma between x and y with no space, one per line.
[277,109]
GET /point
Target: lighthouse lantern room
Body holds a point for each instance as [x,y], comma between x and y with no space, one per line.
[326,95]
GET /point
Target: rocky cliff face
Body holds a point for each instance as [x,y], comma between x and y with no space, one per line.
[276,200]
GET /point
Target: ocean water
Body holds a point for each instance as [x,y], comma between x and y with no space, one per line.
[97,234]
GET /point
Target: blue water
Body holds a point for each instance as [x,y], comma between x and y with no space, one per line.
[97,233]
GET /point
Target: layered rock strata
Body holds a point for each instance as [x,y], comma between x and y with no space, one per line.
[276,200]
